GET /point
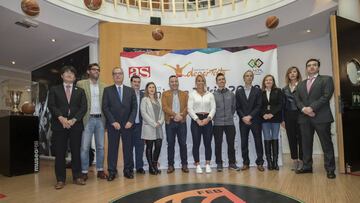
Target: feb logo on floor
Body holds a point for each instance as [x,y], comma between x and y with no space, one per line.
[205,193]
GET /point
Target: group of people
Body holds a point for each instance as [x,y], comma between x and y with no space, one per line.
[87,109]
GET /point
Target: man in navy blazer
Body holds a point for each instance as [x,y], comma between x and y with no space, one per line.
[248,105]
[119,107]
[68,105]
[138,143]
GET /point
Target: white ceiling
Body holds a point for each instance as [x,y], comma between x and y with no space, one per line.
[32,48]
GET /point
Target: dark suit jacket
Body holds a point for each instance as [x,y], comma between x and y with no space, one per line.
[250,106]
[59,106]
[141,96]
[116,111]
[318,99]
[275,104]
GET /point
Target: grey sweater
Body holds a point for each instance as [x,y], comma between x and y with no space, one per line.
[225,107]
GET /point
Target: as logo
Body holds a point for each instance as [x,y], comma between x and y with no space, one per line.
[142,71]
[209,195]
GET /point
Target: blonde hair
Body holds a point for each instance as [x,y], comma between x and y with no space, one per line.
[299,78]
[203,78]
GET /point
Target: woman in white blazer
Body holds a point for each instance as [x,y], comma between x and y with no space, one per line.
[152,133]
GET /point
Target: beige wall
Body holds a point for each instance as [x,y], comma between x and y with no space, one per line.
[113,37]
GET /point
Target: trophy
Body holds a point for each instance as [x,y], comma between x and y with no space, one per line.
[15,97]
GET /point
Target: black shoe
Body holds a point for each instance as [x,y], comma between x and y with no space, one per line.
[234,167]
[111,177]
[128,175]
[140,171]
[219,167]
[330,175]
[300,171]
[84,176]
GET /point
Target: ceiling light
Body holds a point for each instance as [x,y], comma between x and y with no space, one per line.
[13,62]
[53,40]
[308,30]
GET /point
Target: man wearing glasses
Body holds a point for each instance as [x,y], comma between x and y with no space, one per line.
[120,108]
[93,121]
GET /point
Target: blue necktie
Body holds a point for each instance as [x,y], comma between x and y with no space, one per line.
[119,91]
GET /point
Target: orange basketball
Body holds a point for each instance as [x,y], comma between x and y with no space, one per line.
[28,108]
[272,22]
[157,34]
[30,7]
[93,4]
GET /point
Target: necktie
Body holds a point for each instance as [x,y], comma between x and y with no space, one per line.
[68,93]
[309,83]
[119,91]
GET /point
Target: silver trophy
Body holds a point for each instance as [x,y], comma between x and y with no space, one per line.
[15,97]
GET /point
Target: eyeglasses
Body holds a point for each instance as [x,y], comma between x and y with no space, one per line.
[95,69]
[118,73]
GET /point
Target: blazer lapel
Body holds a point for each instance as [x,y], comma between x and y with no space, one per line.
[73,93]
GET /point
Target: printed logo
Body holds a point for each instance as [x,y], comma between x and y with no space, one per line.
[141,71]
[209,194]
[255,65]
[179,70]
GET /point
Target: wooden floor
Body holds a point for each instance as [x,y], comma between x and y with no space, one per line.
[306,187]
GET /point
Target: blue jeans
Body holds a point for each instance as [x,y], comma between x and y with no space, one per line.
[94,127]
[138,144]
[178,129]
[271,130]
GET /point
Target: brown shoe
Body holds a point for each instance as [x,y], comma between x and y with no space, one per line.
[261,168]
[101,175]
[185,169]
[79,181]
[59,185]
[84,176]
[245,167]
[170,169]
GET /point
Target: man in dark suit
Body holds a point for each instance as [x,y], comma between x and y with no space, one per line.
[137,142]
[248,105]
[312,98]
[68,106]
[119,107]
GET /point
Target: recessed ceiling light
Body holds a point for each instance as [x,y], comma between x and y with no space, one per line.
[13,62]
[308,30]
[53,40]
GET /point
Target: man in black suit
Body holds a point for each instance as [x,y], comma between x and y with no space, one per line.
[248,105]
[312,98]
[119,107]
[68,106]
[137,142]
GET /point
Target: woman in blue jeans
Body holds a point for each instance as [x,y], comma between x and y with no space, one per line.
[271,114]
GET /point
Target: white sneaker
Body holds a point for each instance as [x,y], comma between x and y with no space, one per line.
[207,168]
[199,169]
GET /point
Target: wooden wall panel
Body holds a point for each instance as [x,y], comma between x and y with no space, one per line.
[113,37]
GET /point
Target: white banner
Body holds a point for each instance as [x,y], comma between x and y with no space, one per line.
[157,66]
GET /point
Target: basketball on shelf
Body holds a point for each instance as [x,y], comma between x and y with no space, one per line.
[157,34]
[93,4]
[28,108]
[30,7]
[272,22]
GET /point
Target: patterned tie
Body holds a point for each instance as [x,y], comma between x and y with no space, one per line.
[68,93]
[309,83]
[119,91]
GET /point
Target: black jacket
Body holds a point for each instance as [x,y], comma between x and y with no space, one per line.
[250,106]
[274,106]
[59,106]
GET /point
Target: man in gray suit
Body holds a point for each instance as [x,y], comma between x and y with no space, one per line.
[312,98]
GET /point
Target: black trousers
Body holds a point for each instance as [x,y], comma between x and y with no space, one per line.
[61,139]
[153,148]
[293,133]
[230,139]
[324,133]
[113,149]
[244,135]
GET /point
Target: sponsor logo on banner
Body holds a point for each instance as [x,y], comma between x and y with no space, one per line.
[210,194]
[255,65]
[36,156]
[141,71]
[193,72]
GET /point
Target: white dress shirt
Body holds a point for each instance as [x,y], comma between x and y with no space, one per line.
[201,104]
[95,100]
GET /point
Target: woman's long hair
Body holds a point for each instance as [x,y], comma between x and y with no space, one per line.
[263,82]
[146,92]
[298,78]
